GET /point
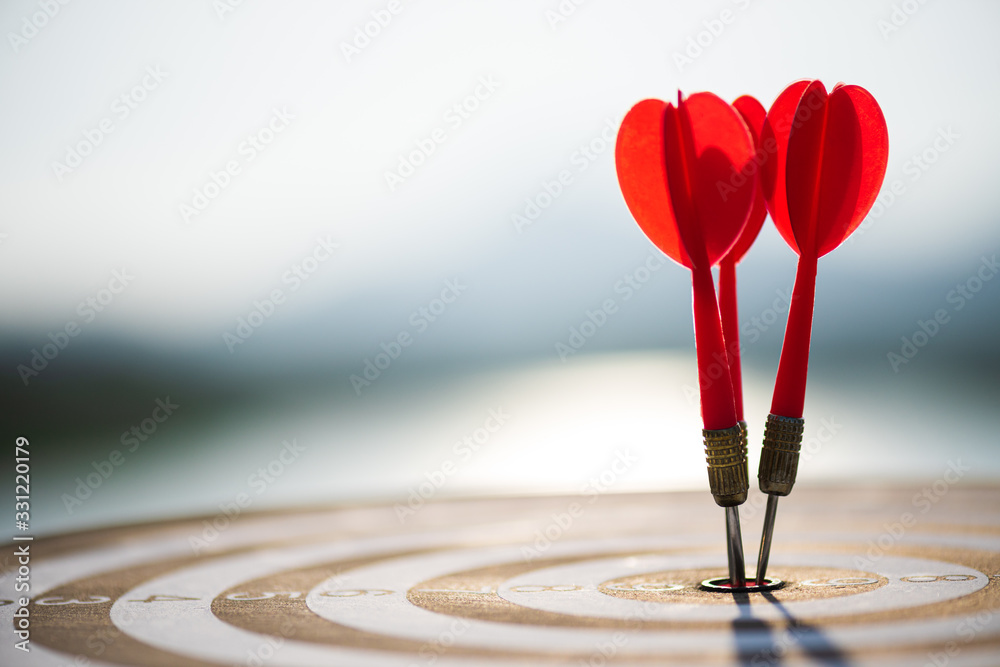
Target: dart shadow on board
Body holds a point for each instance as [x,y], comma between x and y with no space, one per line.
[752,633]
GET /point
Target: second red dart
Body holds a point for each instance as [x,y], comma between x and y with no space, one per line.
[820,181]
[681,169]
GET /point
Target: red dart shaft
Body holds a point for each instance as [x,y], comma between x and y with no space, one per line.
[790,384]
[717,407]
[731,330]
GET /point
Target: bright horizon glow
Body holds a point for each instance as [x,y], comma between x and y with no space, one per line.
[324,174]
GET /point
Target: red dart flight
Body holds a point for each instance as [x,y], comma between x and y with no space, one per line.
[830,153]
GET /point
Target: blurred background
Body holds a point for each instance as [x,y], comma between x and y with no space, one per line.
[265,254]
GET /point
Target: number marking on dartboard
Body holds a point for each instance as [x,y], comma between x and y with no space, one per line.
[56,601]
[842,582]
[651,587]
[164,598]
[266,595]
[485,590]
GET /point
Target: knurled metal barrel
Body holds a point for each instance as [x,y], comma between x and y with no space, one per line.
[726,454]
[779,458]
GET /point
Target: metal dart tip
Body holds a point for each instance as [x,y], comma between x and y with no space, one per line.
[734,544]
[765,539]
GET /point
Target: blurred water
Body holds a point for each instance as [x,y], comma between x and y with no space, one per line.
[605,422]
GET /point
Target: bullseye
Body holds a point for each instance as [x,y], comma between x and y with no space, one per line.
[723,585]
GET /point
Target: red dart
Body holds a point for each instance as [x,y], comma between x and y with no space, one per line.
[826,160]
[676,168]
[753,114]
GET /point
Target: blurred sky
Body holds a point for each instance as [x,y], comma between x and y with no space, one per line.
[117,115]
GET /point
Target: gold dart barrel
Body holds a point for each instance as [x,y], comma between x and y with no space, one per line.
[779,458]
[726,454]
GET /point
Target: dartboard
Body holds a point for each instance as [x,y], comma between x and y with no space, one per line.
[870,577]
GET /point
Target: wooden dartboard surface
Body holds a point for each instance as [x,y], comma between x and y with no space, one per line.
[873,577]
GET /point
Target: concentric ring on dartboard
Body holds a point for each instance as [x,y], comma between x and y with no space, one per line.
[382,615]
[536,599]
[890,589]
[451,593]
[248,602]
